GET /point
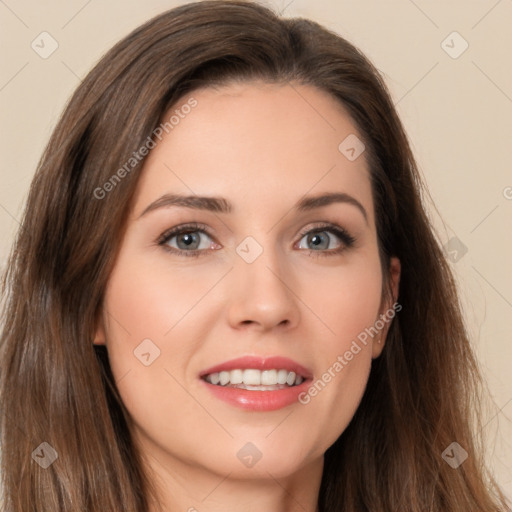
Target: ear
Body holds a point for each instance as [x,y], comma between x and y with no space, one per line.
[99,335]
[388,309]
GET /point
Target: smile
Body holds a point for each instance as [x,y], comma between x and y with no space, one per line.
[257,384]
[257,380]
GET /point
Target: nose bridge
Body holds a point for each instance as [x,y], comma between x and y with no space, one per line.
[262,291]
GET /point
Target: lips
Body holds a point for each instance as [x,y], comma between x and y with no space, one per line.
[256,383]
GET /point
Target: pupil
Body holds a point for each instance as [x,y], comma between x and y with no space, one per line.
[316,240]
[188,239]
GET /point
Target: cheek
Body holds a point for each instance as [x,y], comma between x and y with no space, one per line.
[153,329]
[149,301]
[348,307]
[346,300]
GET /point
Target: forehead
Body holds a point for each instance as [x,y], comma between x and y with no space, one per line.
[255,140]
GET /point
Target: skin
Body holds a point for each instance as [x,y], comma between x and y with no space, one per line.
[262,147]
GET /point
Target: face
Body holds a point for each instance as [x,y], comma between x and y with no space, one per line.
[258,288]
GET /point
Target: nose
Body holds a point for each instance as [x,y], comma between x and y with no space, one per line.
[262,295]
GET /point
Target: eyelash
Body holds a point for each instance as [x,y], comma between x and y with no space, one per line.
[346,239]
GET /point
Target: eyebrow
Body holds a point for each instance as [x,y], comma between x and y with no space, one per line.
[221,205]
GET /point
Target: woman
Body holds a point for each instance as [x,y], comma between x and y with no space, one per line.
[226,294]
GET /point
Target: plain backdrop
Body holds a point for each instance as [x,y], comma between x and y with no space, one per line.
[447,67]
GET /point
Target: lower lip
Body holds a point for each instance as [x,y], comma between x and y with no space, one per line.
[258,400]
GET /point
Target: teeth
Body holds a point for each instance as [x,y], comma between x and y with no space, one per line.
[281,376]
[255,379]
[236,377]
[251,377]
[269,377]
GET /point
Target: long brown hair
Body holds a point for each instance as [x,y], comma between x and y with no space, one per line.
[57,388]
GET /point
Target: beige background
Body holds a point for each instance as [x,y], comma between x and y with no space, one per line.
[457,112]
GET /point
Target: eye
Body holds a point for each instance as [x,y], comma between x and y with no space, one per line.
[186,240]
[321,238]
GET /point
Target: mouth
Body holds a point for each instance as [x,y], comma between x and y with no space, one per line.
[255,380]
[258,384]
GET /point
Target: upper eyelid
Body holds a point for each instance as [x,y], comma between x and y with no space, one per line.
[192,227]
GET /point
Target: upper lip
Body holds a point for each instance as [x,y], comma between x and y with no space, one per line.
[260,363]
